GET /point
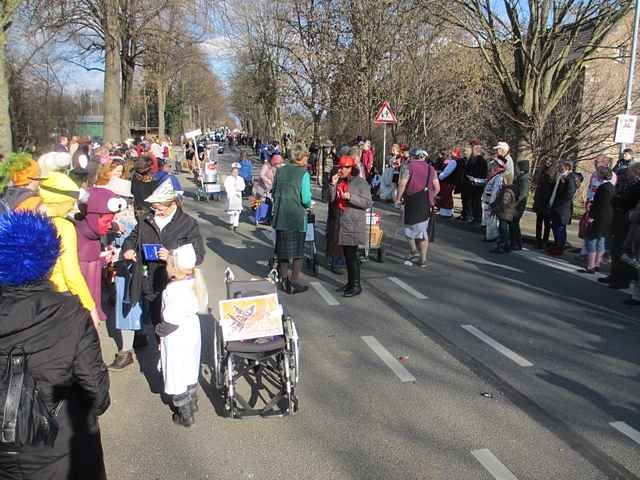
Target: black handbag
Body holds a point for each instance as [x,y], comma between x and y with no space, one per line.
[24,417]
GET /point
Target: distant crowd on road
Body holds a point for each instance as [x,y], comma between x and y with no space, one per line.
[495,192]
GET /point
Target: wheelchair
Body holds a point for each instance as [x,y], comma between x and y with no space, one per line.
[270,365]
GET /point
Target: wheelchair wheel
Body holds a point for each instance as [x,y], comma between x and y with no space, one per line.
[230,403]
[218,370]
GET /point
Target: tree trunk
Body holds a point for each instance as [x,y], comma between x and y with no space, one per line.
[316,127]
[112,74]
[162,103]
[128,69]
[6,142]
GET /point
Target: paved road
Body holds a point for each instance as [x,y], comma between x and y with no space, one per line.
[514,368]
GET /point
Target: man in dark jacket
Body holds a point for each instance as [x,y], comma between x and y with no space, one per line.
[475,171]
[169,227]
[62,356]
[627,196]
[522,187]
[564,190]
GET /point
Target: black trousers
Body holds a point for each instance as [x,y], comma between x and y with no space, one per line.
[543,228]
[466,203]
[516,234]
[353,264]
[504,230]
[473,208]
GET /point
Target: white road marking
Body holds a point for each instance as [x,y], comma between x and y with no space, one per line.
[507,352]
[492,264]
[407,288]
[630,432]
[324,293]
[494,466]
[391,362]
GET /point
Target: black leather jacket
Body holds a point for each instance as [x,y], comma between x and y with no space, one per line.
[65,360]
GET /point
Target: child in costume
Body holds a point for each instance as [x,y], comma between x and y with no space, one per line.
[234,186]
[96,221]
[179,332]
[59,195]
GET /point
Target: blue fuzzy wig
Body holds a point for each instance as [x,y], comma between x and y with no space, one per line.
[29,248]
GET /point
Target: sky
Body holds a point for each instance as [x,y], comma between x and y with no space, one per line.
[217,48]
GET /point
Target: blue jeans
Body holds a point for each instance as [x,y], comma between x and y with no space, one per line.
[559,234]
[595,245]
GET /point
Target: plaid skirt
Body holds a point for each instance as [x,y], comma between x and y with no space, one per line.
[289,245]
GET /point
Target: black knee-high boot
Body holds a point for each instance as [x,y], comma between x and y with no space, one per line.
[353,264]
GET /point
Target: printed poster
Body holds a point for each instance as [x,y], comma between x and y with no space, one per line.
[250,317]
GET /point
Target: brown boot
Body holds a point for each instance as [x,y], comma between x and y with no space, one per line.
[122,360]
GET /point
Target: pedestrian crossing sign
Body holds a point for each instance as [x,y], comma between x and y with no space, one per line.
[385,114]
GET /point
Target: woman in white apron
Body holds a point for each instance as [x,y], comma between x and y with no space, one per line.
[234,186]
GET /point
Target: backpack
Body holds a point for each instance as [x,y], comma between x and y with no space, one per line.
[24,417]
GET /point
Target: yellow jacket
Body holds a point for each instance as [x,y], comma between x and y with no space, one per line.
[66,275]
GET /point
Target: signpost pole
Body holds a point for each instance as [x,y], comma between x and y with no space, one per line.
[632,64]
[384,147]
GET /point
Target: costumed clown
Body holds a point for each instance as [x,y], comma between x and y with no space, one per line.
[96,220]
[59,195]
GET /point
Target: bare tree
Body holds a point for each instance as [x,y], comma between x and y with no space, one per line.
[537,50]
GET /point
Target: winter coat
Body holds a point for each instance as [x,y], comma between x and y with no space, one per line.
[563,201]
[291,197]
[182,230]
[262,186]
[542,195]
[66,275]
[476,167]
[246,170]
[65,360]
[21,198]
[504,206]
[366,160]
[601,211]
[351,221]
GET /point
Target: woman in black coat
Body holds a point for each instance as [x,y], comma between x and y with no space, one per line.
[544,188]
[169,227]
[62,357]
[600,218]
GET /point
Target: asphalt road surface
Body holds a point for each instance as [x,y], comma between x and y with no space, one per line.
[478,367]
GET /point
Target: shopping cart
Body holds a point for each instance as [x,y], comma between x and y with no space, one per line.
[374,247]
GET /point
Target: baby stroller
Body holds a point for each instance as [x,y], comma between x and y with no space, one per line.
[209,187]
[270,363]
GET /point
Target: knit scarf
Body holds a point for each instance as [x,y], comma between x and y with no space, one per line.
[343,187]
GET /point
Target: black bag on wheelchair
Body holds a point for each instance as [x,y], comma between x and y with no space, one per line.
[24,417]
